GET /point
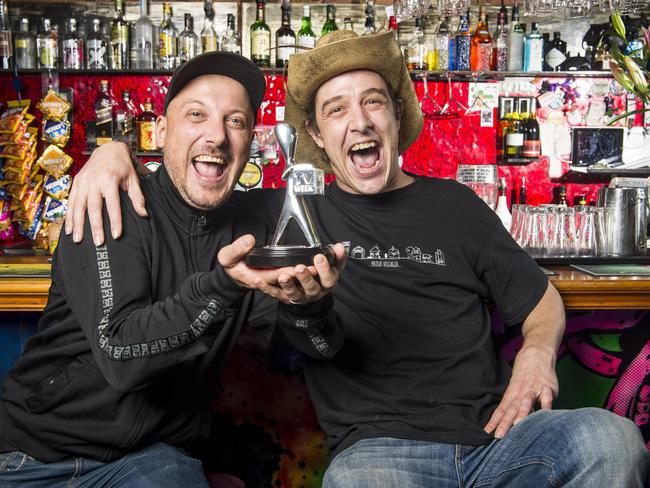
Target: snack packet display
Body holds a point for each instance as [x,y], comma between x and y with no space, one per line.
[54,161]
[53,106]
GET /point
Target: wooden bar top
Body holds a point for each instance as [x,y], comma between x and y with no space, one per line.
[578,290]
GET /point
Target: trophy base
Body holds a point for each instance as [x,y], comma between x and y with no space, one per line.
[281,256]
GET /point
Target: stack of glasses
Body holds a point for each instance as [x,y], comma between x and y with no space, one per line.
[557,231]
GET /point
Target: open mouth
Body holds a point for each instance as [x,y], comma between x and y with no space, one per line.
[364,155]
[209,167]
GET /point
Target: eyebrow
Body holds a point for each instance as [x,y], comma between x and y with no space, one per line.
[379,91]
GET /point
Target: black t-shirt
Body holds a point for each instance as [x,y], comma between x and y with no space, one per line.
[418,361]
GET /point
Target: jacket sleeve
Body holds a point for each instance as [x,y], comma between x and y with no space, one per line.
[314,328]
[110,291]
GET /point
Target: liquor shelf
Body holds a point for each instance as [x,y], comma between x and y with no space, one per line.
[579,290]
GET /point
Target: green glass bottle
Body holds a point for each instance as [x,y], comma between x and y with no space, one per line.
[306,36]
[260,39]
[330,23]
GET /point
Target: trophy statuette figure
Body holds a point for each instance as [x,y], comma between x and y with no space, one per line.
[302,179]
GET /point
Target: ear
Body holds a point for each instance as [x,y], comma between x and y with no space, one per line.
[315,134]
[161,130]
[399,110]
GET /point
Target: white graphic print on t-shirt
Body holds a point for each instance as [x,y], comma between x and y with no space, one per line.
[390,258]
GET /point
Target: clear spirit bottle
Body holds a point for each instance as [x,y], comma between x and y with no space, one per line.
[168,39]
[533,50]
[417,49]
[188,40]
[441,46]
[500,44]
[142,45]
[47,46]
[73,50]
[230,41]
[96,55]
[516,37]
[25,43]
[209,37]
[463,44]
[6,43]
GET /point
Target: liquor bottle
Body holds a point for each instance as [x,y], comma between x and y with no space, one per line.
[556,54]
[514,137]
[533,50]
[532,145]
[96,55]
[47,46]
[516,37]
[417,49]
[168,39]
[142,43]
[306,36]
[73,50]
[522,191]
[463,44]
[146,128]
[393,26]
[119,55]
[369,27]
[284,36]
[188,40]
[502,205]
[260,39]
[500,44]
[230,41]
[560,199]
[103,114]
[330,23]
[347,24]
[25,44]
[481,45]
[6,43]
[503,11]
[125,120]
[452,47]
[575,63]
[209,38]
[441,46]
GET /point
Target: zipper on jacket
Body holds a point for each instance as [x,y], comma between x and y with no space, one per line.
[199,221]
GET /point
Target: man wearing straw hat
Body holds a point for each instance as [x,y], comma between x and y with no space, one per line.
[419,395]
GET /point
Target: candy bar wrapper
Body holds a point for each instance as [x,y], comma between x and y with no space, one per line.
[42,239]
[53,106]
[55,210]
[53,233]
[56,132]
[29,229]
[13,116]
[14,151]
[29,208]
[17,176]
[57,187]
[54,161]
[6,229]
[16,191]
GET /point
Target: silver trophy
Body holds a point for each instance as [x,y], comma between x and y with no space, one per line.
[302,179]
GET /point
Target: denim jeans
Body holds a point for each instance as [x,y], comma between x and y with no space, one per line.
[159,466]
[583,448]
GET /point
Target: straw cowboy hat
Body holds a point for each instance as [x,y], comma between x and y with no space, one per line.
[335,54]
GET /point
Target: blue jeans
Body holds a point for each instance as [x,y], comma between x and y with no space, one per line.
[583,448]
[157,466]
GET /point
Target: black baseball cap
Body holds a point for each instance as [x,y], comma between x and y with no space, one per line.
[222,63]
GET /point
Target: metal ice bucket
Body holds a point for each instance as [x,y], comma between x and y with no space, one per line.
[626,220]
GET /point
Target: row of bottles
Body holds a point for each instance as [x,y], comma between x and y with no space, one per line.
[518,136]
[120,121]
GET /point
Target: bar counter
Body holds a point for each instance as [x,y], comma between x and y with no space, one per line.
[579,291]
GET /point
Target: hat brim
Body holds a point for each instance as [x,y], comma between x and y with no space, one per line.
[310,69]
[232,65]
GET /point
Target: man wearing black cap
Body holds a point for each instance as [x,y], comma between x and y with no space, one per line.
[115,388]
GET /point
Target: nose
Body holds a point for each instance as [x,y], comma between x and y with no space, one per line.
[215,131]
[359,119]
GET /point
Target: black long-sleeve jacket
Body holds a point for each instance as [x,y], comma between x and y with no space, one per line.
[134,335]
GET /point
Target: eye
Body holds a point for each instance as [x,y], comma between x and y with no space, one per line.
[236,122]
[335,110]
[194,114]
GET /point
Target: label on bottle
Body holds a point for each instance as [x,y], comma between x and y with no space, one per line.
[251,176]
[103,114]
[285,52]
[188,49]
[6,46]
[532,149]
[147,136]
[515,139]
[260,43]
[166,45]
[533,55]
[209,43]
[96,54]
[21,44]
[307,41]
[72,54]
[48,54]
[555,58]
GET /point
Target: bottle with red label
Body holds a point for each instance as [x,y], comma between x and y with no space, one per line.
[532,145]
[146,128]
